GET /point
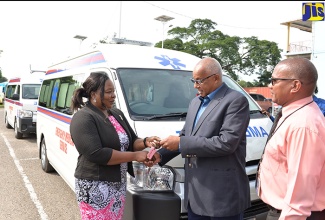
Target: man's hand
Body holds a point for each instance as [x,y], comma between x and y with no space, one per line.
[170,143]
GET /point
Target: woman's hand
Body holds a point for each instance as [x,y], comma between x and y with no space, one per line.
[154,160]
[141,156]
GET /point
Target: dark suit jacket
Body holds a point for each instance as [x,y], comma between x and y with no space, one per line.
[216,183]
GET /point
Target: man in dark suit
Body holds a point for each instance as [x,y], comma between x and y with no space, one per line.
[213,143]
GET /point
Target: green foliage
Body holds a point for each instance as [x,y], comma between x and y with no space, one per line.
[242,83]
[103,41]
[250,84]
[2,79]
[174,44]
[236,55]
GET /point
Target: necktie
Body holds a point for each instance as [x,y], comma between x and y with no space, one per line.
[275,123]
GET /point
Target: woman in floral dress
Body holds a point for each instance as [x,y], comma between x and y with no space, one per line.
[107,145]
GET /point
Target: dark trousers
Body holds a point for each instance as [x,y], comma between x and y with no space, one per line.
[193,216]
[274,215]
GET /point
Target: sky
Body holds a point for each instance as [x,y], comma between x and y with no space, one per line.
[41,33]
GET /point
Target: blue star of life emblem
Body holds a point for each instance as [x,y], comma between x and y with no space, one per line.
[174,62]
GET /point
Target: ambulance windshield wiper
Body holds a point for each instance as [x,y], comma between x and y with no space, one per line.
[254,111]
[31,98]
[174,114]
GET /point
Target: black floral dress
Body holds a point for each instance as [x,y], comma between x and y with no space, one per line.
[103,200]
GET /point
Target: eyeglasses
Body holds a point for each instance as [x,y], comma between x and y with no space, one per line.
[200,81]
[274,80]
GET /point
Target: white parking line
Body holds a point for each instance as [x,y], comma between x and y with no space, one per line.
[33,158]
[28,185]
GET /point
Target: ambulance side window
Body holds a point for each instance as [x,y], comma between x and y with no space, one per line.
[48,94]
[56,94]
[43,92]
[71,89]
[18,90]
[62,95]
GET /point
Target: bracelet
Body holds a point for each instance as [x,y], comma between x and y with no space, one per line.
[144,142]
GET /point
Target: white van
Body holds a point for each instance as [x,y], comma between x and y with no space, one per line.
[144,78]
[20,104]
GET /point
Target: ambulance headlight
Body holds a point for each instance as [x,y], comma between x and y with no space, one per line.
[153,178]
[25,114]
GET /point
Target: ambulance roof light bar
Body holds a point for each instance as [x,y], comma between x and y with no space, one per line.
[115,40]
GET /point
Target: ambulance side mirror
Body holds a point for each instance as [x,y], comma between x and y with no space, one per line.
[15,96]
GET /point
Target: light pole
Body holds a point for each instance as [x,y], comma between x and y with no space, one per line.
[119,28]
[163,19]
[81,38]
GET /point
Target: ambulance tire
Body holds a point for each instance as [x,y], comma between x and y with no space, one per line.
[6,122]
[46,166]
[18,135]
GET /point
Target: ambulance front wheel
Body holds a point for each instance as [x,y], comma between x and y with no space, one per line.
[46,166]
[18,134]
[6,122]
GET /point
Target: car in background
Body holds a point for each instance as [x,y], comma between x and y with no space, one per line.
[20,104]
[262,101]
[2,91]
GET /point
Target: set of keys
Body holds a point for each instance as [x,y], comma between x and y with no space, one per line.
[153,149]
[152,152]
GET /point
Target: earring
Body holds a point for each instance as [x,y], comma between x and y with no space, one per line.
[94,100]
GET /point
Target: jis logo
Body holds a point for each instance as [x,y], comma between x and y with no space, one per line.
[313,11]
[174,62]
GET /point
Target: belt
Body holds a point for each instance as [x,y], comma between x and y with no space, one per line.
[274,209]
[315,215]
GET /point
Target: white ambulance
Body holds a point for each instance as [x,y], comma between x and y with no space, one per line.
[20,104]
[144,78]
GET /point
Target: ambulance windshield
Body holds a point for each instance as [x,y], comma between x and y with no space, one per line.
[30,91]
[152,93]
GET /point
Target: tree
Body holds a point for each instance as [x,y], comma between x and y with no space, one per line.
[236,55]
[250,84]
[2,79]
[242,83]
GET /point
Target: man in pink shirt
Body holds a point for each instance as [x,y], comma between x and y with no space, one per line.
[292,170]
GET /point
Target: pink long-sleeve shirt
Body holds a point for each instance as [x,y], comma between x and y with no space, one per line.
[292,171]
